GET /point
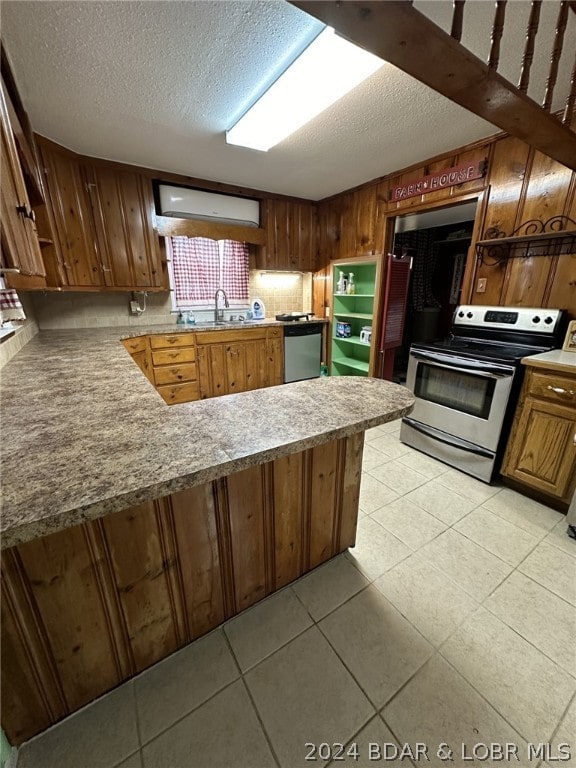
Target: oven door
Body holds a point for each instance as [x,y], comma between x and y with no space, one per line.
[462,397]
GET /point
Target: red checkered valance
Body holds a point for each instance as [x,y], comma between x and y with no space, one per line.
[200,266]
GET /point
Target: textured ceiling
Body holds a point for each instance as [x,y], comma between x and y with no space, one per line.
[157,82]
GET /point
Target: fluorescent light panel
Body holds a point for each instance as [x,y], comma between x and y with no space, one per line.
[328,69]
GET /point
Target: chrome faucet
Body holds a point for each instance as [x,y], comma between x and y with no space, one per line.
[219,313]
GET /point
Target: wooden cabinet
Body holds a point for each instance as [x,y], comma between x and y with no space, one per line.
[291,236]
[541,454]
[103,221]
[174,371]
[239,360]
[20,245]
[140,353]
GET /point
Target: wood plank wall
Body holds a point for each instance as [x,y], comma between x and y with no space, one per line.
[86,608]
[521,184]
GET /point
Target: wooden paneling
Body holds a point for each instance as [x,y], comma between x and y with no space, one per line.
[85,608]
[291,236]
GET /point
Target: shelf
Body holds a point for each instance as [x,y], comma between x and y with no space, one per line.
[355,365]
[352,340]
[353,295]
[533,238]
[356,315]
[44,242]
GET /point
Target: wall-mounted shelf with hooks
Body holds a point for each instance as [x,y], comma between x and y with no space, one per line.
[554,237]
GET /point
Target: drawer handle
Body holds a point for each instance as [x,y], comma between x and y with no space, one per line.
[560,391]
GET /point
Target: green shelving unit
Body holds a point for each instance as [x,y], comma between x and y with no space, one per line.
[350,356]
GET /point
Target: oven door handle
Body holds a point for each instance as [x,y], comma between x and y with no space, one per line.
[454,442]
[492,371]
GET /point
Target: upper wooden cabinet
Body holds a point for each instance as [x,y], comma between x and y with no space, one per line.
[103,221]
[291,236]
[20,245]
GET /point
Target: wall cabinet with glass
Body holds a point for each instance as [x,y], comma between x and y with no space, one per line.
[355,298]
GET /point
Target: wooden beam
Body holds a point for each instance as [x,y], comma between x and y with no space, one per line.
[397,32]
[172,227]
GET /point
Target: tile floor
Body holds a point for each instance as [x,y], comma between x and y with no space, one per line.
[452,620]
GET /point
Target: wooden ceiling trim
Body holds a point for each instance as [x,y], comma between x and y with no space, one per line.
[397,32]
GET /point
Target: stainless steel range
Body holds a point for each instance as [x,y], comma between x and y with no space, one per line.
[467,386]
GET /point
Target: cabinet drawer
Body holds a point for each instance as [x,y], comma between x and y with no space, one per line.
[232,335]
[135,345]
[275,333]
[167,341]
[552,386]
[175,374]
[171,356]
[179,393]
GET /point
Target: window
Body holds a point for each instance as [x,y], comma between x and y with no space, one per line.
[199,266]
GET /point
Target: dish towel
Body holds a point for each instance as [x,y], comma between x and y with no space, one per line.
[10,306]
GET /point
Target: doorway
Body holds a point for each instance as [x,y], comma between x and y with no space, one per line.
[437,242]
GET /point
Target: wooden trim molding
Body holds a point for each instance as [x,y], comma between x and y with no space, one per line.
[172,227]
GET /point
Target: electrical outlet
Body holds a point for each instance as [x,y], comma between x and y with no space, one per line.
[134,308]
[481,287]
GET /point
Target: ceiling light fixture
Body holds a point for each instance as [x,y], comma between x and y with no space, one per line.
[324,72]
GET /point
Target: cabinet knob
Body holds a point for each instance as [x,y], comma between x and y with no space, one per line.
[561,391]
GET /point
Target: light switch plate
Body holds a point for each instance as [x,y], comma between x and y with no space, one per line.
[481,286]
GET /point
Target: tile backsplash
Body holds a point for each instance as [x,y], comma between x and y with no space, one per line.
[280,292]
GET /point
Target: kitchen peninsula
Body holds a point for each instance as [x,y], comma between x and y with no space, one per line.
[215,505]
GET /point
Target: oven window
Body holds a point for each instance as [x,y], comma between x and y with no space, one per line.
[465,392]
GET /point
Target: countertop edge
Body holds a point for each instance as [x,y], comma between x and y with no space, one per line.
[555,360]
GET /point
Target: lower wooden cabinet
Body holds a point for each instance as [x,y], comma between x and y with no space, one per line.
[541,453]
[239,360]
[189,366]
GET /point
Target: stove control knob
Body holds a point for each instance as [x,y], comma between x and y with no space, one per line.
[469,314]
[536,319]
[548,320]
[460,314]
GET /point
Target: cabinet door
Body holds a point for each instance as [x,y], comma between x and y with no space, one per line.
[129,248]
[275,361]
[542,453]
[20,245]
[238,366]
[72,216]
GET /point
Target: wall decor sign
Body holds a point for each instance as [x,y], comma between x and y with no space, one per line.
[447,177]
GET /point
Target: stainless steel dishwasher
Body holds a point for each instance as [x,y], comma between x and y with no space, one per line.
[302,351]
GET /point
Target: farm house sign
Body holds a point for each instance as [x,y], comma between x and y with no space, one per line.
[447,177]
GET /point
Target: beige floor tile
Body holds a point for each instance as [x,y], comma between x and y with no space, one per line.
[374,433]
[554,569]
[566,734]
[526,513]
[521,683]
[398,477]
[429,599]
[475,570]
[409,522]
[497,535]
[101,734]
[559,538]
[377,644]
[374,494]
[367,748]
[304,693]
[372,458]
[134,761]
[467,486]
[329,586]
[391,445]
[177,685]
[424,464]
[544,619]
[261,630]
[376,550]
[223,732]
[392,426]
[438,705]
[441,502]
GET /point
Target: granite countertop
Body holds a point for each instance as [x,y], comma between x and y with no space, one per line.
[555,360]
[84,433]
[133,331]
